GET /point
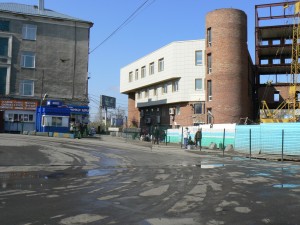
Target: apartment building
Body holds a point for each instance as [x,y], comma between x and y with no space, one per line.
[43,56]
[166,87]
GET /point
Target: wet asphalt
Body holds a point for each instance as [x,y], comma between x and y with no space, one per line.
[113,181]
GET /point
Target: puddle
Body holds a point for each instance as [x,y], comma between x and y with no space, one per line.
[209,166]
[102,172]
[291,186]
[236,158]
[263,174]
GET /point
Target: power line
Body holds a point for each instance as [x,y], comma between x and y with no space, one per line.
[122,25]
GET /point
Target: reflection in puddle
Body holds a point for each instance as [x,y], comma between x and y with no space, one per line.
[263,174]
[209,166]
[101,172]
[286,185]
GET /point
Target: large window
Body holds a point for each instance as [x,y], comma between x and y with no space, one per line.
[26,88]
[3,74]
[3,46]
[209,37]
[29,32]
[199,108]
[4,25]
[175,86]
[55,121]
[28,60]
[209,64]
[143,71]
[151,68]
[198,58]
[20,117]
[198,84]
[209,90]
[161,65]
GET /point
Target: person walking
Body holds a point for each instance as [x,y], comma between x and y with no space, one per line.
[156,135]
[198,138]
[185,136]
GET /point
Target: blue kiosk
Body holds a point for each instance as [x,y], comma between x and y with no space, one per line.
[56,117]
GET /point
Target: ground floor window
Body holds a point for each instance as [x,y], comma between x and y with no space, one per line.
[21,117]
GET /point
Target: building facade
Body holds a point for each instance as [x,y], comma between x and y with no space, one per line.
[43,56]
[166,87]
[202,82]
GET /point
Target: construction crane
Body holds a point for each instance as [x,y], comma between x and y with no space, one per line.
[291,103]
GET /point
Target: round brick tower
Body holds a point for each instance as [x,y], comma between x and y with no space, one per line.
[227,60]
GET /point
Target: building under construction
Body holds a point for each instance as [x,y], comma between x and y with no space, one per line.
[276,60]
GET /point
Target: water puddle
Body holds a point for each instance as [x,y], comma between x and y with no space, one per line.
[102,172]
[209,166]
[263,174]
[288,186]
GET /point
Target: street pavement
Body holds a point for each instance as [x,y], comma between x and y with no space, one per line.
[111,180]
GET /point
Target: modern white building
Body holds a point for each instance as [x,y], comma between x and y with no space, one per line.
[166,87]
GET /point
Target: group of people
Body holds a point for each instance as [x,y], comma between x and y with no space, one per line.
[197,138]
[156,137]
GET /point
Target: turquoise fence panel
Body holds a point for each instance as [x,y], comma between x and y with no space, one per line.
[242,138]
[209,134]
[269,138]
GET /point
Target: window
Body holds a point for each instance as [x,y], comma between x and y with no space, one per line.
[177,110]
[4,25]
[26,88]
[155,91]
[3,75]
[143,71]
[146,93]
[3,46]
[276,96]
[20,117]
[29,32]
[56,121]
[28,60]
[198,58]
[209,37]
[199,108]
[161,65]
[136,74]
[130,77]
[209,62]
[198,84]
[151,68]
[210,117]
[165,89]
[209,90]
[175,86]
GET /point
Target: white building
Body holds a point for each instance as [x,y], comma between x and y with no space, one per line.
[166,87]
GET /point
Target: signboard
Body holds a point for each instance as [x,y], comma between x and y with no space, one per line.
[107,102]
[18,105]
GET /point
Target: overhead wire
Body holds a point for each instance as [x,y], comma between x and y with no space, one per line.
[123,24]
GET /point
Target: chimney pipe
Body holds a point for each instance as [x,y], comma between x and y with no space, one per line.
[41,5]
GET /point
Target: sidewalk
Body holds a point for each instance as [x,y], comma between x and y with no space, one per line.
[177,147]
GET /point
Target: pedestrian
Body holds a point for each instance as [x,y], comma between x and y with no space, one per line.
[186,133]
[156,135]
[198,138]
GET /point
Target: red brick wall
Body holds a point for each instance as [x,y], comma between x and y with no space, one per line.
[230,66]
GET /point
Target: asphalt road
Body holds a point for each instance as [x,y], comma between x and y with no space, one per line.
[90,181]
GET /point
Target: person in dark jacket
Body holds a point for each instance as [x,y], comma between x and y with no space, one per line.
[198,138]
